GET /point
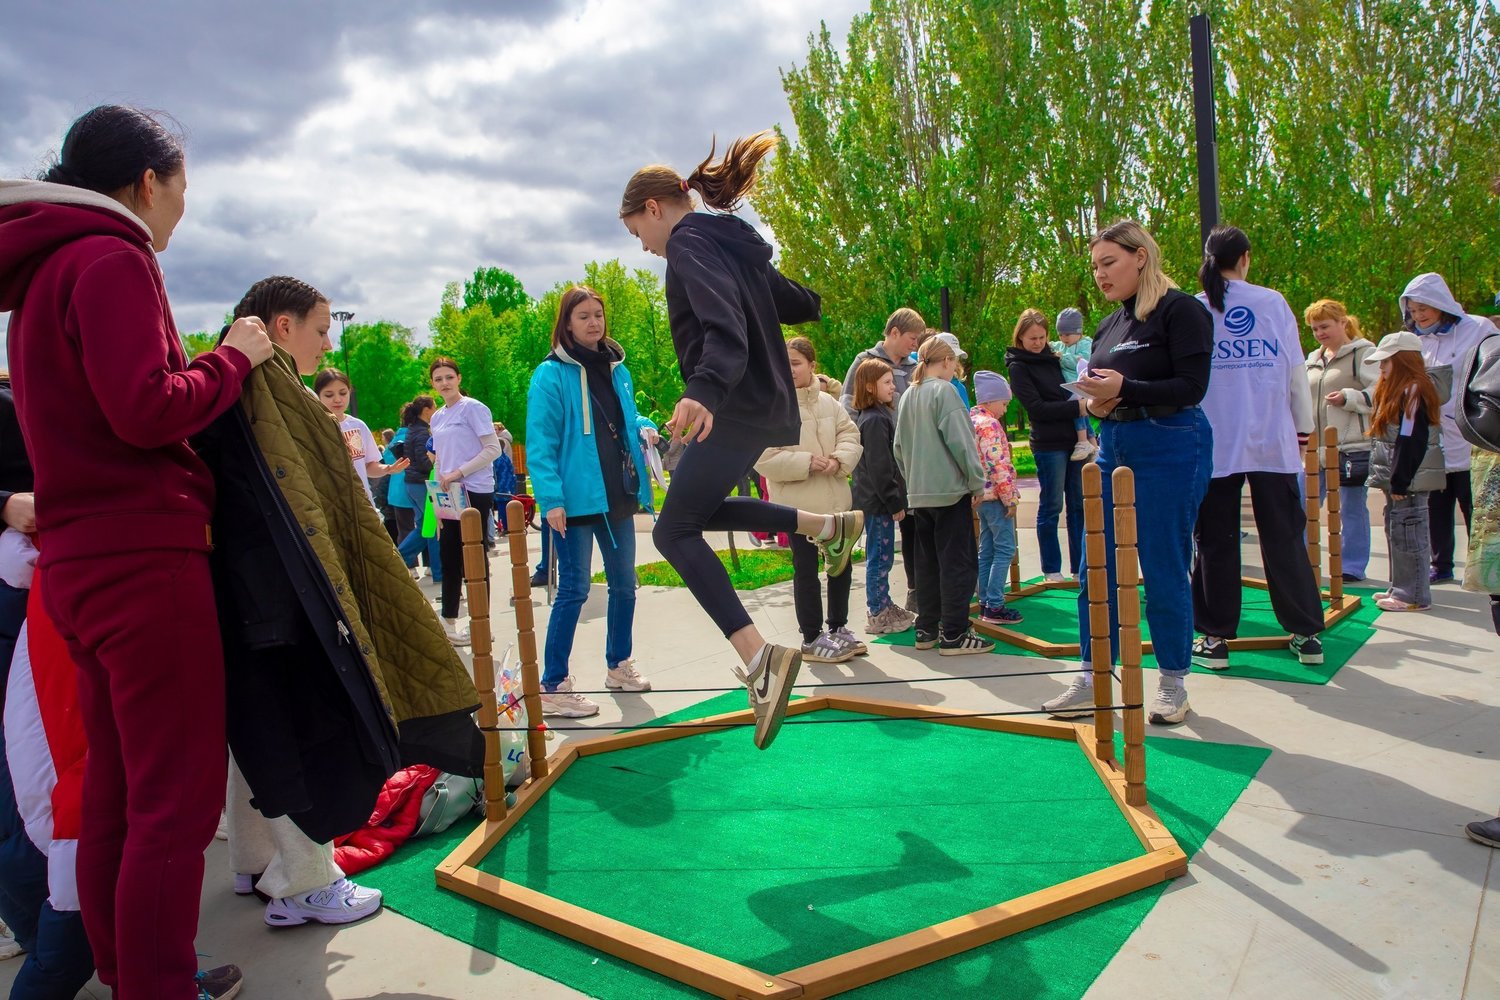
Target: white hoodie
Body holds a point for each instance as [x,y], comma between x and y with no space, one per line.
[1447,347]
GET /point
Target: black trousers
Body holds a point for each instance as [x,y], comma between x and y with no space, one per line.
[1281,522]
[451,552]
[1440,525]
[699,501]
[908,528]
[947,567]
[807,591]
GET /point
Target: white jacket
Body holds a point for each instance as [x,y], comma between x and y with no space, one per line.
[826,431]
[1350,372]
[1447,347]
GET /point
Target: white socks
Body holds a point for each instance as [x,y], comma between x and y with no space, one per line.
[829,522]
[1169,683]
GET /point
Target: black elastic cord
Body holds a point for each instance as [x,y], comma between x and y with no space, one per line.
[789,722]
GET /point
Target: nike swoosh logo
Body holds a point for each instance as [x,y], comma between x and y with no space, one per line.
[765,685]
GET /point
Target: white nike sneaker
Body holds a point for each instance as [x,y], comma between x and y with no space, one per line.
[769,678]
[343,902]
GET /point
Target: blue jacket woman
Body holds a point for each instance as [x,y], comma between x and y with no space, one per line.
[588,471]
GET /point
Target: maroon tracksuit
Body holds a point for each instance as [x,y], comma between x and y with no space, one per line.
[106,400]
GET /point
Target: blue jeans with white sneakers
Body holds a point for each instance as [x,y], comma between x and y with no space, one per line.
[575,565]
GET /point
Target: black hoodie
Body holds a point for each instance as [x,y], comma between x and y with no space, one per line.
[726,304]
[1036,379]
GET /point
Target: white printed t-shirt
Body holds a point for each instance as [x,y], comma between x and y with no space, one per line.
[1256,352]
[362,449]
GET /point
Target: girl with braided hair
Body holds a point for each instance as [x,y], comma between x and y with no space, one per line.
[725,306]
[106,394]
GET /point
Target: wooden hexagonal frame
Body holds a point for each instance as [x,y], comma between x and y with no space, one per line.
[1161,859]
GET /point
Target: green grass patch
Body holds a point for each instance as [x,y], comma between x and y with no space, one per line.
[758,568]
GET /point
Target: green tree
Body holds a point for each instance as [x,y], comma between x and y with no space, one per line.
[199,342]
[384,368]
[496,288]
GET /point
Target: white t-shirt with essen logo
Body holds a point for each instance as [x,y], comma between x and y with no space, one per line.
[1256,353]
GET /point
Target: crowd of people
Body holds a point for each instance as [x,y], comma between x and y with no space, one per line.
[291,538]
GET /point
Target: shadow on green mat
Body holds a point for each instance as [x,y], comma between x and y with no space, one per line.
[920,857]
[1053,616]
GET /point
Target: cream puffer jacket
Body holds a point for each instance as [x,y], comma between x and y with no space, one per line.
[826,431]
[1351,372]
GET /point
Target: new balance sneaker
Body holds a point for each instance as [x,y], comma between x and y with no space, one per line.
[847,529]
[1169,707]
[848,639]
[969,643]
[565,703]
[1486,832]
[1077,700]
[1211,653]
[343,902]
[624,677]
[926,640]
[219,984]
[1389,602]
[456,633]
[1308,649]
[826,649]
[999,615]
[769,678]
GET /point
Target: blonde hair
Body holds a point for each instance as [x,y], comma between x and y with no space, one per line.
[1029,319]
[1333,309]
[906,320]
[932,352]
[722,185]
[1132,236]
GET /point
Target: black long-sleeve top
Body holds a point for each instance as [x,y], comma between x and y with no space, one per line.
[1166,359]
[878,487]
[414,450]
[1036,379]
[1410,448]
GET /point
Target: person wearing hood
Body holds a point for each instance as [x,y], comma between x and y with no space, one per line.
[726,305]
[898,350]
[1036,379]
[1260,408]
[589,476]
[1449,335]
[106,394]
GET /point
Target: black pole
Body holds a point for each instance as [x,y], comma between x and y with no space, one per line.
[944,310]
[1204,119]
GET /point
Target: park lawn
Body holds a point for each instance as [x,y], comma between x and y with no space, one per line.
[758,568]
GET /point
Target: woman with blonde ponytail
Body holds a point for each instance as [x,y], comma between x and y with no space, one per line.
[726,305]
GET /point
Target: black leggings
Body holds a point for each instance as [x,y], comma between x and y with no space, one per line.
[451,551]
[699,501]
[807,591]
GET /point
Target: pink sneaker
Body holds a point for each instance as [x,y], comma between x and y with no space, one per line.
[1386,602]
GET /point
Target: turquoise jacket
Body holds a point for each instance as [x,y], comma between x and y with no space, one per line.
[562,460]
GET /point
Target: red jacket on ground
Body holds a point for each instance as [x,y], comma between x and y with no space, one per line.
[398,812]
[106,396]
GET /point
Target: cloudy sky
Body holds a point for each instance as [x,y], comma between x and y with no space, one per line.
[381,149]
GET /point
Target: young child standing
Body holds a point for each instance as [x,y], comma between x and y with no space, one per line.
[997,506]
[939,460]
[1074,353]
[1406,463]
[879,491]
[813,475]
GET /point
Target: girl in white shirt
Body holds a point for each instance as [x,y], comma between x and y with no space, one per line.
[334,389]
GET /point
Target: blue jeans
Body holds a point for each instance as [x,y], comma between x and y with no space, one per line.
[880,555]
[1061,480]
[575,565]
[1173,458]
[411,546]
[997,549]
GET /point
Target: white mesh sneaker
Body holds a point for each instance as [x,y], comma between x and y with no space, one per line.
[1076,701]
[565,703]
[624,677]
[343,902]
[1169,707]
[456,633]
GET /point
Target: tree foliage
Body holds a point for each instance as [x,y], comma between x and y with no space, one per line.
[979,145]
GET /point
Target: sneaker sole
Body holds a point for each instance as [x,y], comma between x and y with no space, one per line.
[820,658]
[232,992]
[1479,838]
[338,921]
[1312,660]
[627,688]
[1215,665]
[1068,713]
[997,623]
[767,727]
[966,650]
[1170,720]
[927,644]
[559,713]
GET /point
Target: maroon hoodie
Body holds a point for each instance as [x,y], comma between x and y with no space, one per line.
[105,394]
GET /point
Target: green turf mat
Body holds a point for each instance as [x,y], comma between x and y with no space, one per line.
[779,858]
[1052,615]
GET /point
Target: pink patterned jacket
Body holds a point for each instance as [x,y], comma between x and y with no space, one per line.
[994,457]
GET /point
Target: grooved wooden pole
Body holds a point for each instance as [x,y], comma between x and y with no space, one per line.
[1015,572]
[531,681]
[481,639]
[1335,515]
[1311,463]
[1128,598]
[1098,598]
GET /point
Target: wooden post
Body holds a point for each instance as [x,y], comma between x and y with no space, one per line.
[1015,572]
[1128,576]
[1098,591]
[1335,515]
[1311,463]
[481,639]
[531,682]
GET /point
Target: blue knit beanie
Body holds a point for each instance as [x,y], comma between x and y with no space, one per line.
[991,387]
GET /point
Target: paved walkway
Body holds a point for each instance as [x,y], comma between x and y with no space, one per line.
[1342,871]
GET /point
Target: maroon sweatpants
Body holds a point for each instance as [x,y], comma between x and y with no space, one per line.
[144,633]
